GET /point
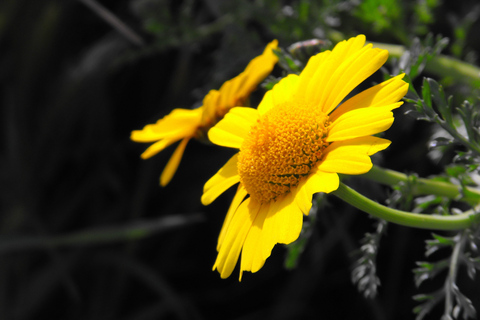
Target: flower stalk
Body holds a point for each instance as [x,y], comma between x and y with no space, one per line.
[423,186]
[422,221]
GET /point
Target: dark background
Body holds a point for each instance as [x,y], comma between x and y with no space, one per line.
[72,88]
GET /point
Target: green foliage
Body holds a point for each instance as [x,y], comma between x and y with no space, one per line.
[381,15]
[456,303]
[462,126]
[364,273]
[462,25]
[413,61]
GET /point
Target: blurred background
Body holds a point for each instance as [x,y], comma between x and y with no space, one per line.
[86,232]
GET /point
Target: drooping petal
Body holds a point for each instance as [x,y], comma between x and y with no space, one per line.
[283,223]
[235,235]
[252,259]
[173,163]
[352,156]
[226,177]
[276,222]
[237,200]
[179,123]
[159,146]
[362,122]
[234,127]
[385,93]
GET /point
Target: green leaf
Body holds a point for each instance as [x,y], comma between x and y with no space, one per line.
[426,93]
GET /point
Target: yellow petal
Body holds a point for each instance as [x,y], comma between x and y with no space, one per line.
[226,177]
[352,156]
[235,92]
[252,259]
[234,127]
[266,103]
[276,222]
[284,91]
[259,68]
[320,181]
[362,122]
[303,199]
[237,200]
[282,224]
[385,93]
[314,64]
[173,163]
[179,123]
[344,69]
[351,73]
[235,237]
[210,106]
[227,95]
[159,146]
[328,69]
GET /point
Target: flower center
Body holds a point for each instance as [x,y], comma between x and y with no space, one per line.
[281,149]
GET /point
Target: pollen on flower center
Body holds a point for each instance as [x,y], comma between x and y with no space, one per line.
[281,149]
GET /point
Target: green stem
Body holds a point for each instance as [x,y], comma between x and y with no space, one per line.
[440,65]
[423,186]
[452,273]
[102,235]
[422,221]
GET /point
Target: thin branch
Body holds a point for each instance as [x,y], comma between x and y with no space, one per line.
[115,22]
[136,231]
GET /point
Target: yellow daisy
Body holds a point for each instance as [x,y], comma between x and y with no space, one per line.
[185,124]
[295,145]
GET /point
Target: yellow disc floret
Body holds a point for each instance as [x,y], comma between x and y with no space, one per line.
[281,149]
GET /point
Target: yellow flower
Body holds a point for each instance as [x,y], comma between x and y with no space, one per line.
[295,145]
[185,124]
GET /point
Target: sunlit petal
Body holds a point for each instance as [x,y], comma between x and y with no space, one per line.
[235,235]
[237,200]
[173,163]
[385,93]
[226,177]
[362,122]
[352,156]
[234,127]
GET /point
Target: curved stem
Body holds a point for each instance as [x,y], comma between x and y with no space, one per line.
[422,221]
[423,186]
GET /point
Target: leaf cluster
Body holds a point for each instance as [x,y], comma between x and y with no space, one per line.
[364,273]
[462,246]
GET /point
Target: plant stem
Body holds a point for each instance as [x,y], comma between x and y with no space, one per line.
[452,273]
[441,65]
[422,221]
[102,235]
[422,186]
